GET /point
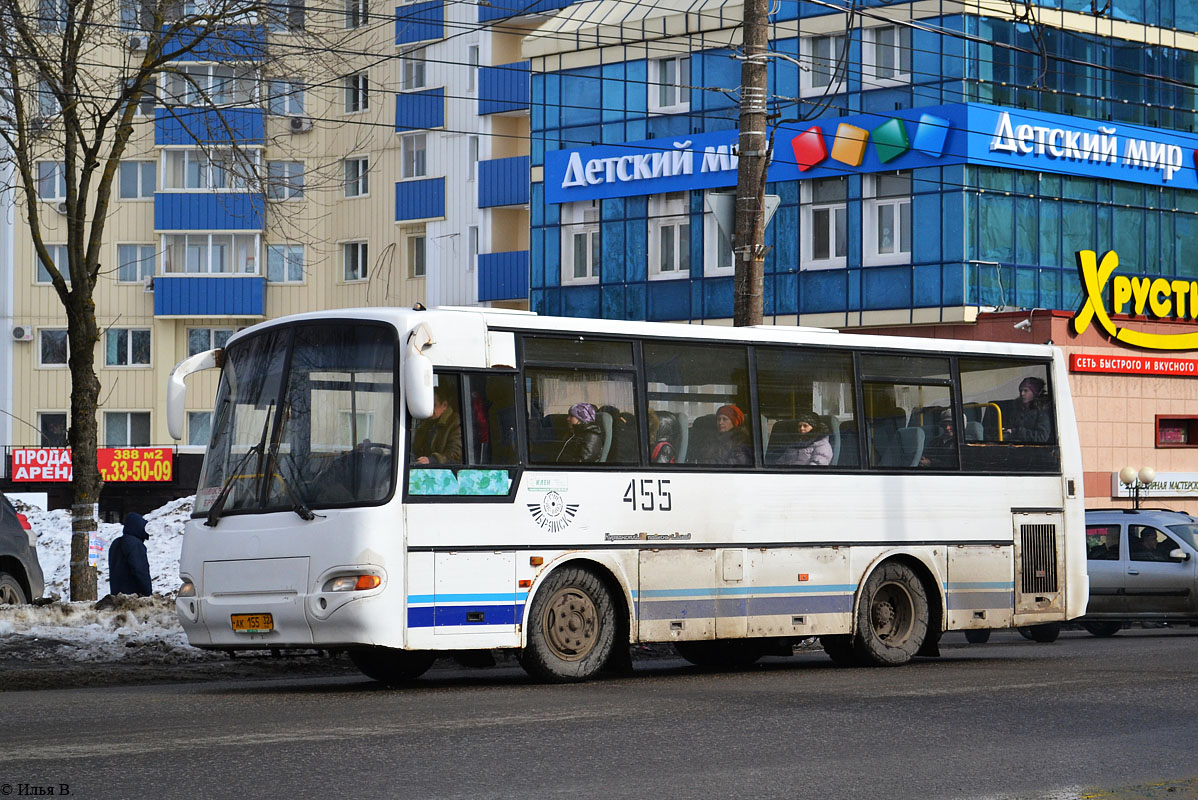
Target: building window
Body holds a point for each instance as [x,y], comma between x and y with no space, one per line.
[135,262]
[127,347]
[1176,431]
[415,155]
[52,347]
[58,252]
[471,247]
[353,259]
[717,244]
[826,59]
[472,64]
[825,223]
[357,176]
[285,98]
[126,429]
[52,16]
[138,180]
[199,428]
[285,16]
[51,181]
[357,92]
[357,13]
[210,253]
[220,170]
[47,103]
[472,146]
[285,263]
[285,180]
[413,74]
[580,242]
[52,427]
[210,85]
[669,85]
[417,265]
[669,235]
[201,340]
[887,220]
[888,53]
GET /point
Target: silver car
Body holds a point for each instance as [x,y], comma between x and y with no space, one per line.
[1143,566]
[21,577]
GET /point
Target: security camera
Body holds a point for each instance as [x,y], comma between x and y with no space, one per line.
[1023,324]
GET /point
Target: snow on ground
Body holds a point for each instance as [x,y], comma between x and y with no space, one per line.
[122,627]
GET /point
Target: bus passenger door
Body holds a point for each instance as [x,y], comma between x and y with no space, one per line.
[676,600]
[474,592]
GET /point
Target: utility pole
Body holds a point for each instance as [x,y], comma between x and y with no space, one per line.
[748,248]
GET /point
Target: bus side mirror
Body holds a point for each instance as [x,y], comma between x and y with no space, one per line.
[418,374]
[176,389]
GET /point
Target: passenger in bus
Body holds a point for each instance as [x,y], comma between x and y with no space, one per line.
[732,444]
[941,451]
[624,445]
[438,439]
[665,433]
[585,443]
[812,447]
[1030,417]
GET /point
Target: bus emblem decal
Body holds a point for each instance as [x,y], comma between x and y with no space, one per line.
[553,513]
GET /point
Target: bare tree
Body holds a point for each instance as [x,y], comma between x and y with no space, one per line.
[77,74]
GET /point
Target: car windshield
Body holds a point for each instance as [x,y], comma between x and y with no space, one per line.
[1188,532]
[305,417]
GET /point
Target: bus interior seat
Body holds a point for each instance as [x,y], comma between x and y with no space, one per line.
[625,444]
[684,435]
[911,441]
[703,434]
[784,434]
[974,431]
[605,422]
[767,428]
[502,426]
[833,426]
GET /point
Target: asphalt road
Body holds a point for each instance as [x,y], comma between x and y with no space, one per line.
[1084,717]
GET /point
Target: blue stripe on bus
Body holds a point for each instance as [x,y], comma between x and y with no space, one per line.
[956,587]
[744,606]
[726,591]
[455,616]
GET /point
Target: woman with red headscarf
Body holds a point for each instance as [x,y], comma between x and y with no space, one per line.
[732,445]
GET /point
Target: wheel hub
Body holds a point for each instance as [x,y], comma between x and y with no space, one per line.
[893,614]
[571,624]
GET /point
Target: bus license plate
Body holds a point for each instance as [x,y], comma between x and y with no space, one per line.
[253,623]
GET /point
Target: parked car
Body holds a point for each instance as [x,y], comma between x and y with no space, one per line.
[21,578]
[1143,567]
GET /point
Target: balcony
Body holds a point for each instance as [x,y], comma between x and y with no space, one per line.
[209,296]
[234,43]
[503,276]
[208,211]
[181,125]
[420,110]
[502,9]
[503,182]
[503,89]
[420,22]
[423,199]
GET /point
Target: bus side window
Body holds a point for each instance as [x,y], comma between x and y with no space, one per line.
[905,397]
[807,400]
[437,441]
[491,420]
[1010,423]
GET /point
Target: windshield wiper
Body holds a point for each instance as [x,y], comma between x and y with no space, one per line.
[272,461]
[218,504]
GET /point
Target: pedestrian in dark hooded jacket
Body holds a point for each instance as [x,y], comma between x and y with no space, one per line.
[585,443]
[128,564]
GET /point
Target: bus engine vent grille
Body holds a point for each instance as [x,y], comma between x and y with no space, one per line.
[1038,558]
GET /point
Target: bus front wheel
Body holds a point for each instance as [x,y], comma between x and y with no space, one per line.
[571,627]
[892,617]
[390,666]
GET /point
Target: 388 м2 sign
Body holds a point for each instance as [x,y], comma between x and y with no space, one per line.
[117,464]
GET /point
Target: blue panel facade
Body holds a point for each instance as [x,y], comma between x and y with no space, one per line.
[503,182]
[196,126]
[234,43]
[419,22]
[209,296]
[423,199]
[503,276]
[417,110]
[502,9]
[208,211]
[994,218]
[504,88]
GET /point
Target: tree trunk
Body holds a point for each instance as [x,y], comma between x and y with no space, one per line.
[748,240]
[86,486]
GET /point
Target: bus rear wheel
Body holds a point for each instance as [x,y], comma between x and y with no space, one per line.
[390,666]
[1102,628]
[1045,633]
[977,635]
[839,648]
[892,617]
[571,627]
[722,653]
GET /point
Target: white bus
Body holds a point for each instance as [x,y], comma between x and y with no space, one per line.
[402,484]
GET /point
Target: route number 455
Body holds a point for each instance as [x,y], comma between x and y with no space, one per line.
[645,496]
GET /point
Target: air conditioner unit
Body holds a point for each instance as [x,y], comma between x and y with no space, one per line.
[138,43]
[301,124]
[147,283]
[61,208]
[22,333]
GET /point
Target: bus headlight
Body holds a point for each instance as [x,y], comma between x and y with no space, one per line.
[352,583]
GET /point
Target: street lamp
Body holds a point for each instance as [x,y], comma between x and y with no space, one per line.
[1137,481]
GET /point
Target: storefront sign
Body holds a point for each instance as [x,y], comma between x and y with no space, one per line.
[1127,364]
[1163,298]
[1167,484]
[129,464]
[958,133]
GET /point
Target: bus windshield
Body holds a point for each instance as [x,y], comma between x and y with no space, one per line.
[305,417]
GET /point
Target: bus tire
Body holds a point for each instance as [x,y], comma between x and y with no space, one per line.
[390,666]
[721,653]
[1103,629]
[1044,634]
[571,627]
[892,616]
[839,648]
[978,636]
